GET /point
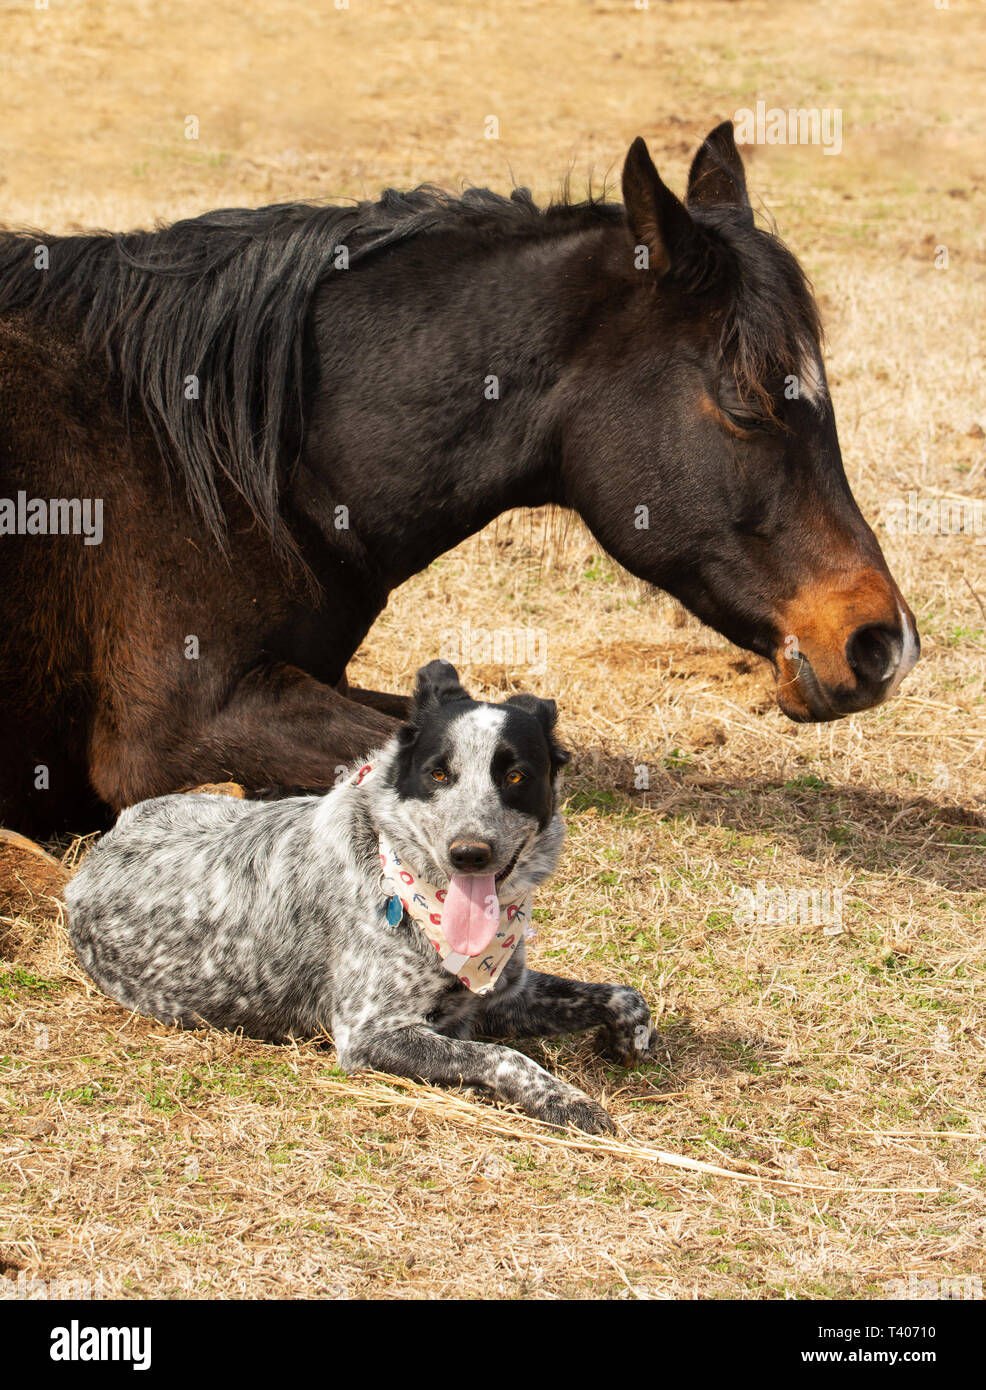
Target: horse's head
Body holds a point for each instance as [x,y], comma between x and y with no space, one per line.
[701,445]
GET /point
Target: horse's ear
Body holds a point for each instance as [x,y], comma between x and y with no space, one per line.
[658,219]
[717,177]
[436,684]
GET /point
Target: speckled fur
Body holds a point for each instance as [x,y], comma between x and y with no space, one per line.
[269,916]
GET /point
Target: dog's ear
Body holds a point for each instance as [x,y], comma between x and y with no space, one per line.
[546,713]
[436,684]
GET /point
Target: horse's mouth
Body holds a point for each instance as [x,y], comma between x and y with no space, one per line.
[803,697]
[800,695]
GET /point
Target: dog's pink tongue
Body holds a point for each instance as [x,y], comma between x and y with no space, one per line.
[471,914]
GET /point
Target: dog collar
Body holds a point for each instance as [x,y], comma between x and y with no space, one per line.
[409,894]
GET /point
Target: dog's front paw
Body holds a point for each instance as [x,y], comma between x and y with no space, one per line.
[627,1037]
[575,1111]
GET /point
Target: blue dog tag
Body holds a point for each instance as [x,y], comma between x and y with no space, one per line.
[395,911]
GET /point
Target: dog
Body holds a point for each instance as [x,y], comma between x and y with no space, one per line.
[389,913]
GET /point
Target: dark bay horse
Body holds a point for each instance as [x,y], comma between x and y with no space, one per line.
[284,413]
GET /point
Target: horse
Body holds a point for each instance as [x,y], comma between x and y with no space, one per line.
[278,415]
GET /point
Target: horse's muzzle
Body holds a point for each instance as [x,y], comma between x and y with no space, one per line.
[846,654]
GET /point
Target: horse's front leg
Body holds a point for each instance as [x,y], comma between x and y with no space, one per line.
[417,1051]
[543,1005]
[397,706]
[277,727]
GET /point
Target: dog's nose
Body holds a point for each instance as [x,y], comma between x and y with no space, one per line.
[470,855]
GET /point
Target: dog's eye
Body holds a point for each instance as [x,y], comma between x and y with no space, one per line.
[439,774]
[515,776]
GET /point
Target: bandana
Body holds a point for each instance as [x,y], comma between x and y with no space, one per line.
[408,894]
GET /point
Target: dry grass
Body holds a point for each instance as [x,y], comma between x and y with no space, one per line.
[837,1075]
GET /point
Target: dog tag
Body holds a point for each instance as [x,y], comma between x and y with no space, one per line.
[395,911]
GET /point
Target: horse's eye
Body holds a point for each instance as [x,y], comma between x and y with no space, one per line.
[743,418]
[439,774]
[515,776]
[740,413]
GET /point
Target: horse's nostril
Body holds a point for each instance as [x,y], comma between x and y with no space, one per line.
[470,855]
[874,651]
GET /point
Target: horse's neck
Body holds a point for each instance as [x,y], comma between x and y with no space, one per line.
[438,401]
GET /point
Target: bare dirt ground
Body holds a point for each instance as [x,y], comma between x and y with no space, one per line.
[834,1068]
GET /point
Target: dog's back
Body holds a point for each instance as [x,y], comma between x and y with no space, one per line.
[205,909]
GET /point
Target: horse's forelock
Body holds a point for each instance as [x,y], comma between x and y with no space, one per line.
[770,325]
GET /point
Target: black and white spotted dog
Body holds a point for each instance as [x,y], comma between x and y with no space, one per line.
[388,913]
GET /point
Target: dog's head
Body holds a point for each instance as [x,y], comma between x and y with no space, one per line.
[472,788]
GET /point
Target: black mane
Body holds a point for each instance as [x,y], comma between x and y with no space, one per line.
[225,297]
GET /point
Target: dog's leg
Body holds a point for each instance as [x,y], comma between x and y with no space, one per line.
[417,1051]
[545,1004]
